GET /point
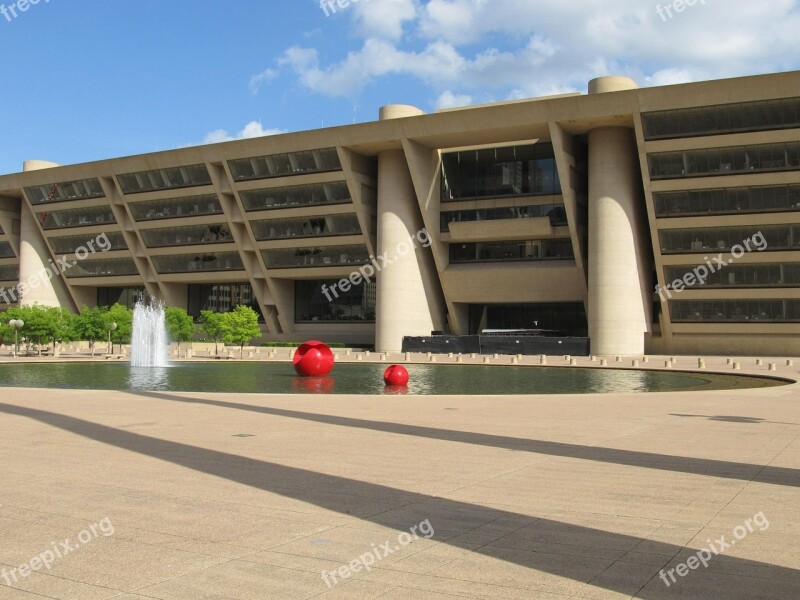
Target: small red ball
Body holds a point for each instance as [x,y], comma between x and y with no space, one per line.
[395,375]
[313,359]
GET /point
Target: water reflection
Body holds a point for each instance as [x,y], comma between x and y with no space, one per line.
[149,378]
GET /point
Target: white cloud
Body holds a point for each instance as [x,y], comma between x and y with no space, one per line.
[265,76]
[522,48]
[448,99]
[253,129]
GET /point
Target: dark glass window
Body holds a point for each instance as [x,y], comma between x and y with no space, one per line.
[283,165]
[9,272]
[296,195]
[728,201]
[79,217]
[315,256]
[559,249]
[725,161]
[723,118]
[735,311]
[556,213]
[164,179]
[68,244]
[221,298]
[323,300]
[63,192]
[171,208]
[761,275]
[556,319]
[103,267]
[303,227]
[497,172]
[187,236]
[207,261]
[126,296]
[6,251]
[722,239]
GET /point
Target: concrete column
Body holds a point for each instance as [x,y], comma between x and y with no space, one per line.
[33,258]
[619,311]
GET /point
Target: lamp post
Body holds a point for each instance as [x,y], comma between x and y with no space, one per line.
[111,327]
[16,325]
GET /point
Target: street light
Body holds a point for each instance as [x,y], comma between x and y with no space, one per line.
[16,325]
[111,327]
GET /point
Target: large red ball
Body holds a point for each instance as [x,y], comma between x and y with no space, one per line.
[313,359]
[395,375]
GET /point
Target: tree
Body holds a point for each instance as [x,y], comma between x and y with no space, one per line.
[90,324]
[179,324]
[214,325]
[123,317]
[243,326]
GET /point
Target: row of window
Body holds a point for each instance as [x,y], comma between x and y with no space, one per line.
[323,300]
[68,244]
[750,238]
[77,217]
[282,165]
[62,192]
[193,206]
[728,201]
[556,213]
[297,195]
[738,311]
[494,172]
[201,296]
[304,227]
[321,256]
[723,118]
[724,161]
[187,236]
[9,272]
[558,249]
[164,179]
[735,276]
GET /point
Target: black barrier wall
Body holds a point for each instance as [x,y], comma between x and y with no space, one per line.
[483,344]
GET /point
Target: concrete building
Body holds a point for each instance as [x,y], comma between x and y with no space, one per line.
[658,220]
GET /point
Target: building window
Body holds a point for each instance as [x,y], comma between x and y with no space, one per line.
[722,239]
[735,311]
[761,275]
[303,227]
[221,298]
[9,273]
[126,296]
[187,236]
[68,244]
[164,179]
[553,319]
[781,198]
[313,304]
[723,118]
[556,213]
[315,256]
[532,250]
[79,217]
[725,161]
[500,172]
[66,191]
[108,267]
[296,195]
[283,165]
[172,208]
[207,261]
[6,251]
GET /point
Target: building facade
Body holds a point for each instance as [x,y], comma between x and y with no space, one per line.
[658,220]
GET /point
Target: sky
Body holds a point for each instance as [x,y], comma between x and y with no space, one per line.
[84,80]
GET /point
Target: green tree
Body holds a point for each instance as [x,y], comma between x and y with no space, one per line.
[123,317]
[179,324]
[243,326]
[214,325]
[90,324]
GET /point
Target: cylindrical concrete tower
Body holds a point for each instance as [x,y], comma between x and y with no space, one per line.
[37,286]
[403,307]
[619,272]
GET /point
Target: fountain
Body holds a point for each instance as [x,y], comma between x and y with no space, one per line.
[149,339]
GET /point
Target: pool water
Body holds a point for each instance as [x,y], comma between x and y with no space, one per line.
[280,378]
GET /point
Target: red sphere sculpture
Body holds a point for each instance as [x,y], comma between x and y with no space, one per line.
[313,359]
[395,375]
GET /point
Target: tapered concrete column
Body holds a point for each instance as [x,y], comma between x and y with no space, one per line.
[619,270]
[38,287]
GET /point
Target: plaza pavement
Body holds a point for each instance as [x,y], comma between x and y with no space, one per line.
[222,496]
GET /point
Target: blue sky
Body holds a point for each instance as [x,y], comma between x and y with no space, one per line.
[89,79]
